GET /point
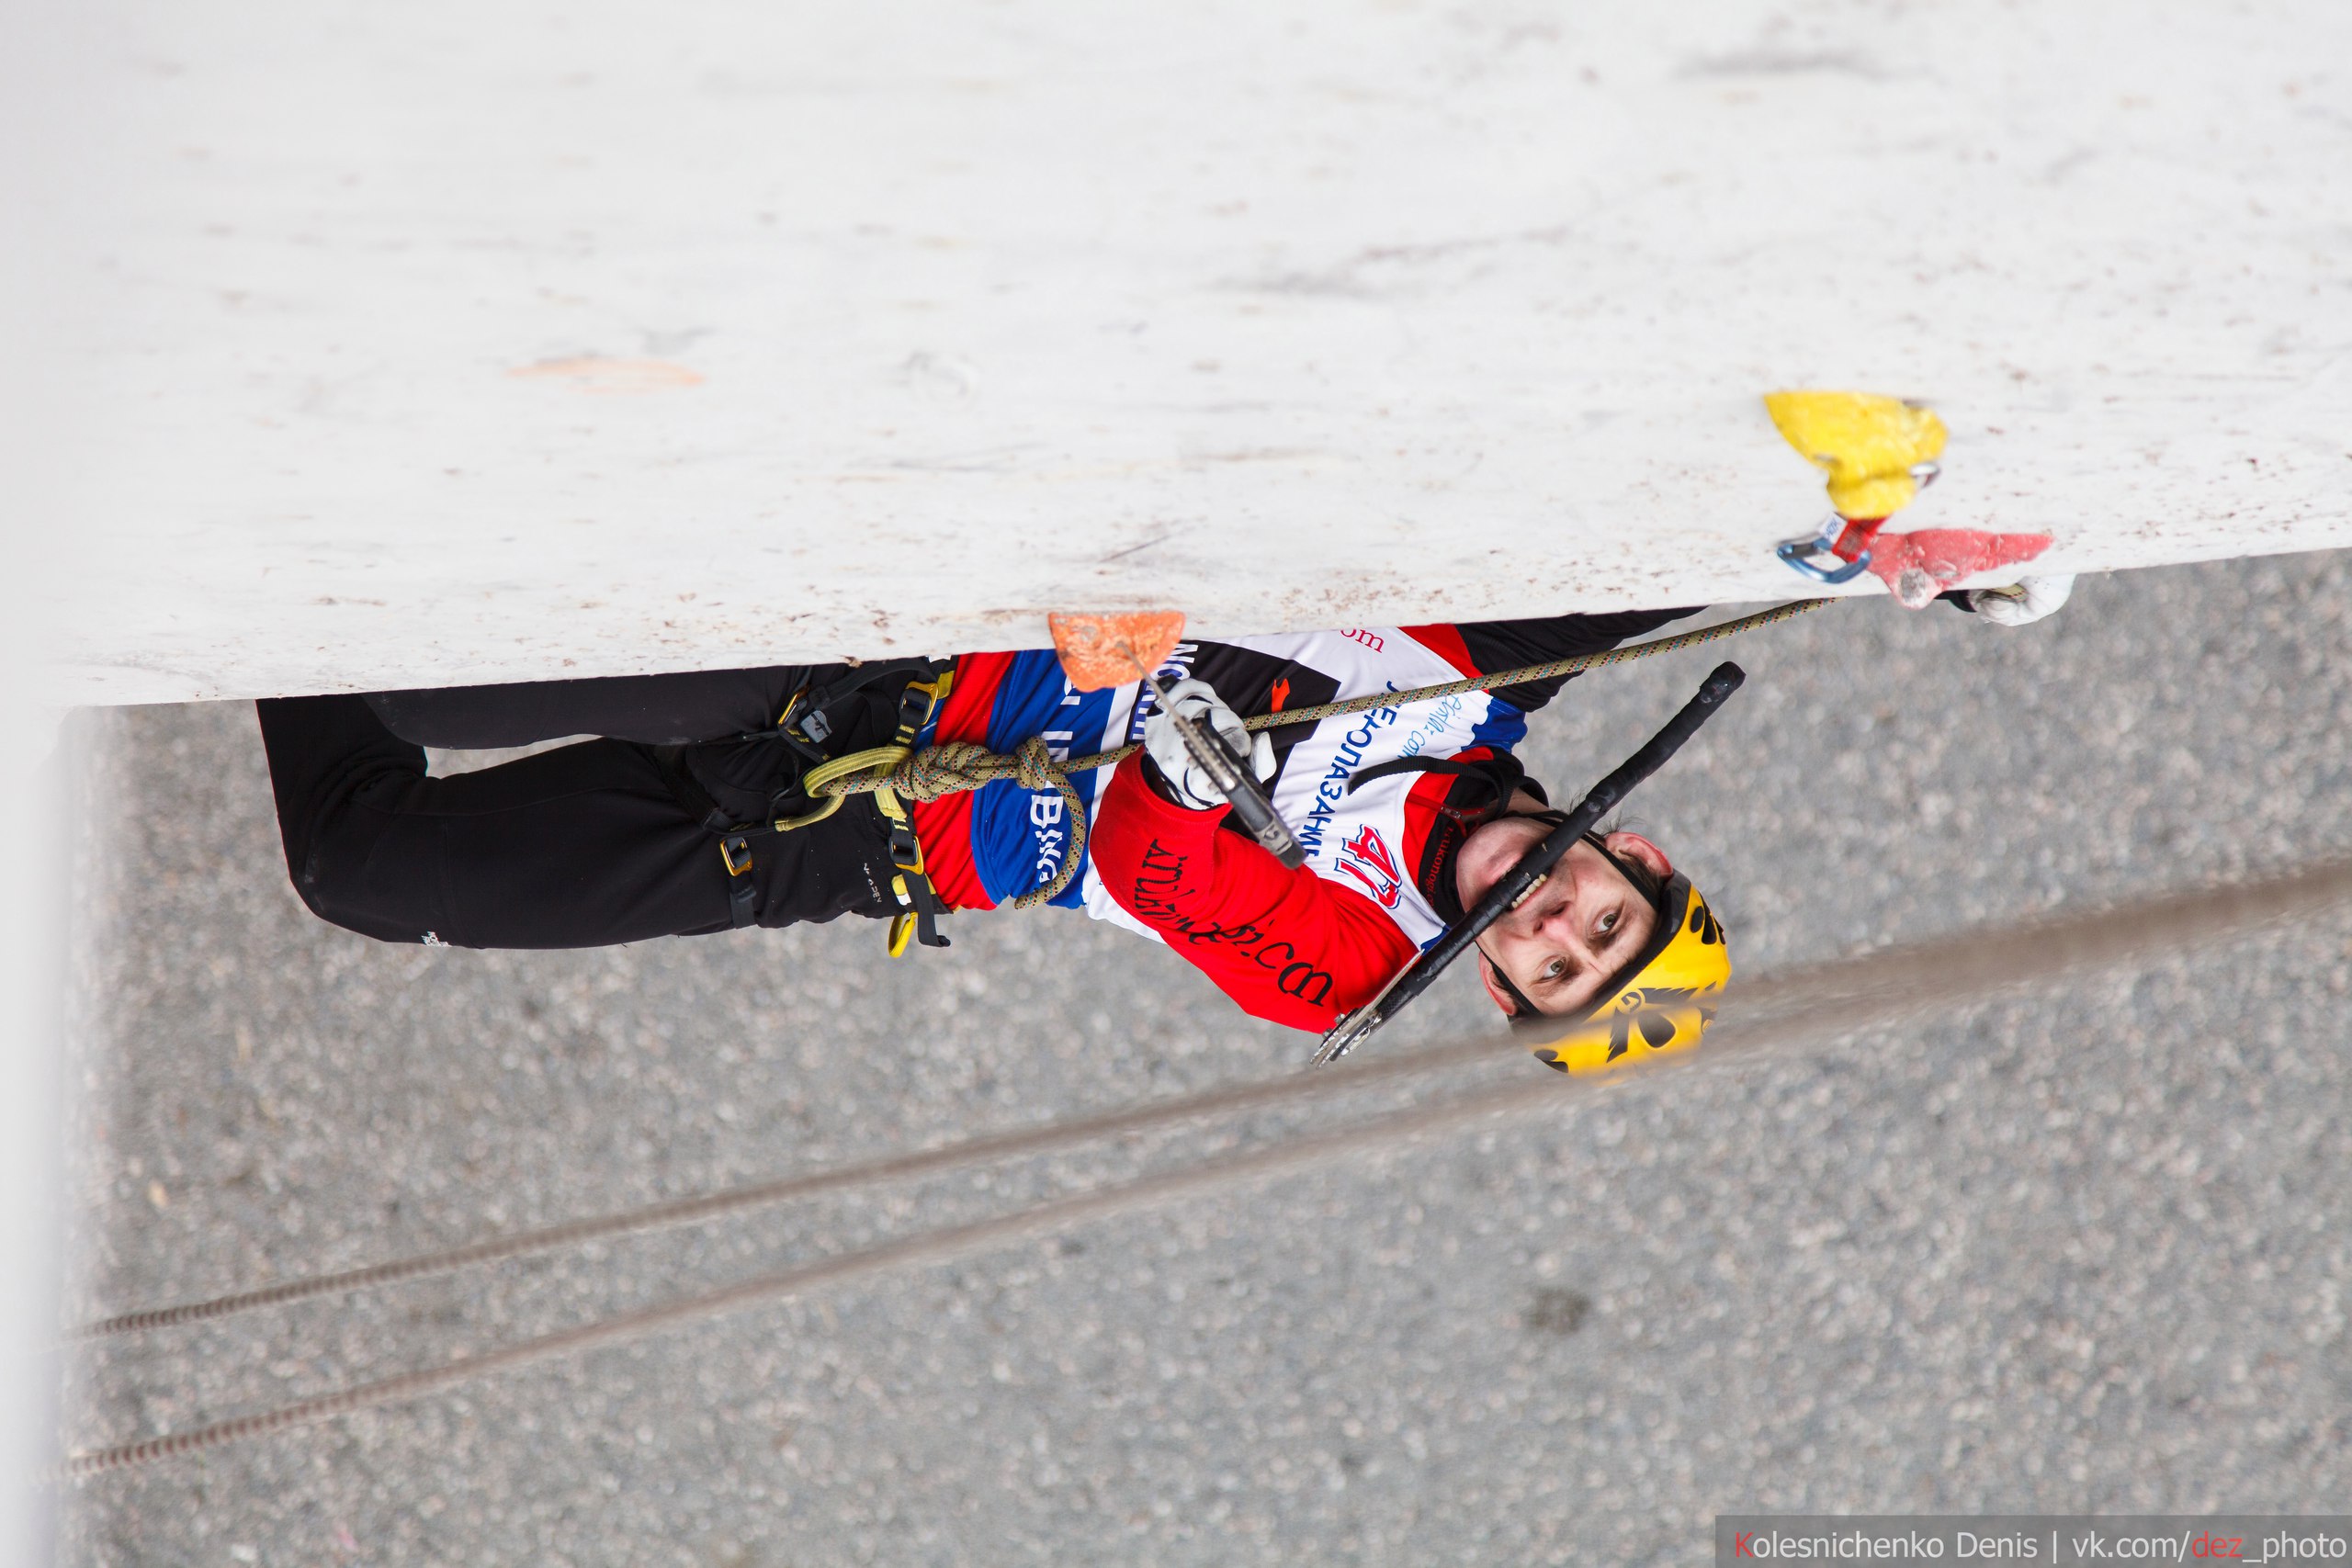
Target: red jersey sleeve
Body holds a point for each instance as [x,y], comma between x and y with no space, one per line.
[1287,946]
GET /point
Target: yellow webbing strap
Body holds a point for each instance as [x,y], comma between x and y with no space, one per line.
[911,886]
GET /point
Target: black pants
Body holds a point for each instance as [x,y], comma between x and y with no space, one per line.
[585,846]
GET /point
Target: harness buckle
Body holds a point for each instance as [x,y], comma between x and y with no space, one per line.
[906,849]
[742,890]
[731,847]
[915,703]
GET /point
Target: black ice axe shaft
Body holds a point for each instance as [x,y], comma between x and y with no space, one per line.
[1535,866]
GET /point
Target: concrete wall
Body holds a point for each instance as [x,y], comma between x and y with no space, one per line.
[433,342]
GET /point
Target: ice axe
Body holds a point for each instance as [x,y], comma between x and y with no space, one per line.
[1099,650]
[1533,867]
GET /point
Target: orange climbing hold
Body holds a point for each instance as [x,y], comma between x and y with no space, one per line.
[1099,650]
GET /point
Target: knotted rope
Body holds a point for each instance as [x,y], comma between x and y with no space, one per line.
[952,767]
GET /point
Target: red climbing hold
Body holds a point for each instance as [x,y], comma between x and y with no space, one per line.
[1918,566]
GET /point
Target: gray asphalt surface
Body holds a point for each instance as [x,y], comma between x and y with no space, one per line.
[2091,1251]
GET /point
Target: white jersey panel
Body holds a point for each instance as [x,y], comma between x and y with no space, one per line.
[1358,841]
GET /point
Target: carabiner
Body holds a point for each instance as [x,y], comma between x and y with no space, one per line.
[1798,553]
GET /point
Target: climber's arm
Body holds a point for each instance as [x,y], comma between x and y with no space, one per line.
[1285,945]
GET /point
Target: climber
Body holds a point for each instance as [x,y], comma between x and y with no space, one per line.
[657,826]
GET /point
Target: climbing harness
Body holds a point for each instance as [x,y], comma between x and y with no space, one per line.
[898,775]
[804,727]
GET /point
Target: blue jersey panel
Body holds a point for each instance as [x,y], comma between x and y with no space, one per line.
[1503,727]
[1019,837]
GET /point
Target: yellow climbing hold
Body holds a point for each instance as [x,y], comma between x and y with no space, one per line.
[1869,446]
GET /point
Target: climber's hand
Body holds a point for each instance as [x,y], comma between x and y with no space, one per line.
[2023,603]
[1187,782]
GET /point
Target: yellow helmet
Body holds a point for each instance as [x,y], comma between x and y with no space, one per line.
[1656,1003]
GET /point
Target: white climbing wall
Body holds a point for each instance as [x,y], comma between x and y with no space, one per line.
[437,342]
[354,345]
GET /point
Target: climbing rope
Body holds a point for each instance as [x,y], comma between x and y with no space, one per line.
[1806,1007]
[1146,1116]
[954,766]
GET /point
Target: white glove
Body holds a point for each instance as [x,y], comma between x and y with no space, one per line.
[1198,702]
[2024,602]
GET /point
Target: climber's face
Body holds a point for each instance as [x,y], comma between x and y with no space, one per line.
[1577,928]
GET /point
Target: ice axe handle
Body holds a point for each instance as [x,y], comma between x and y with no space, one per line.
[1418,975]
[1721,683]
[1265,824]
[1232,775]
